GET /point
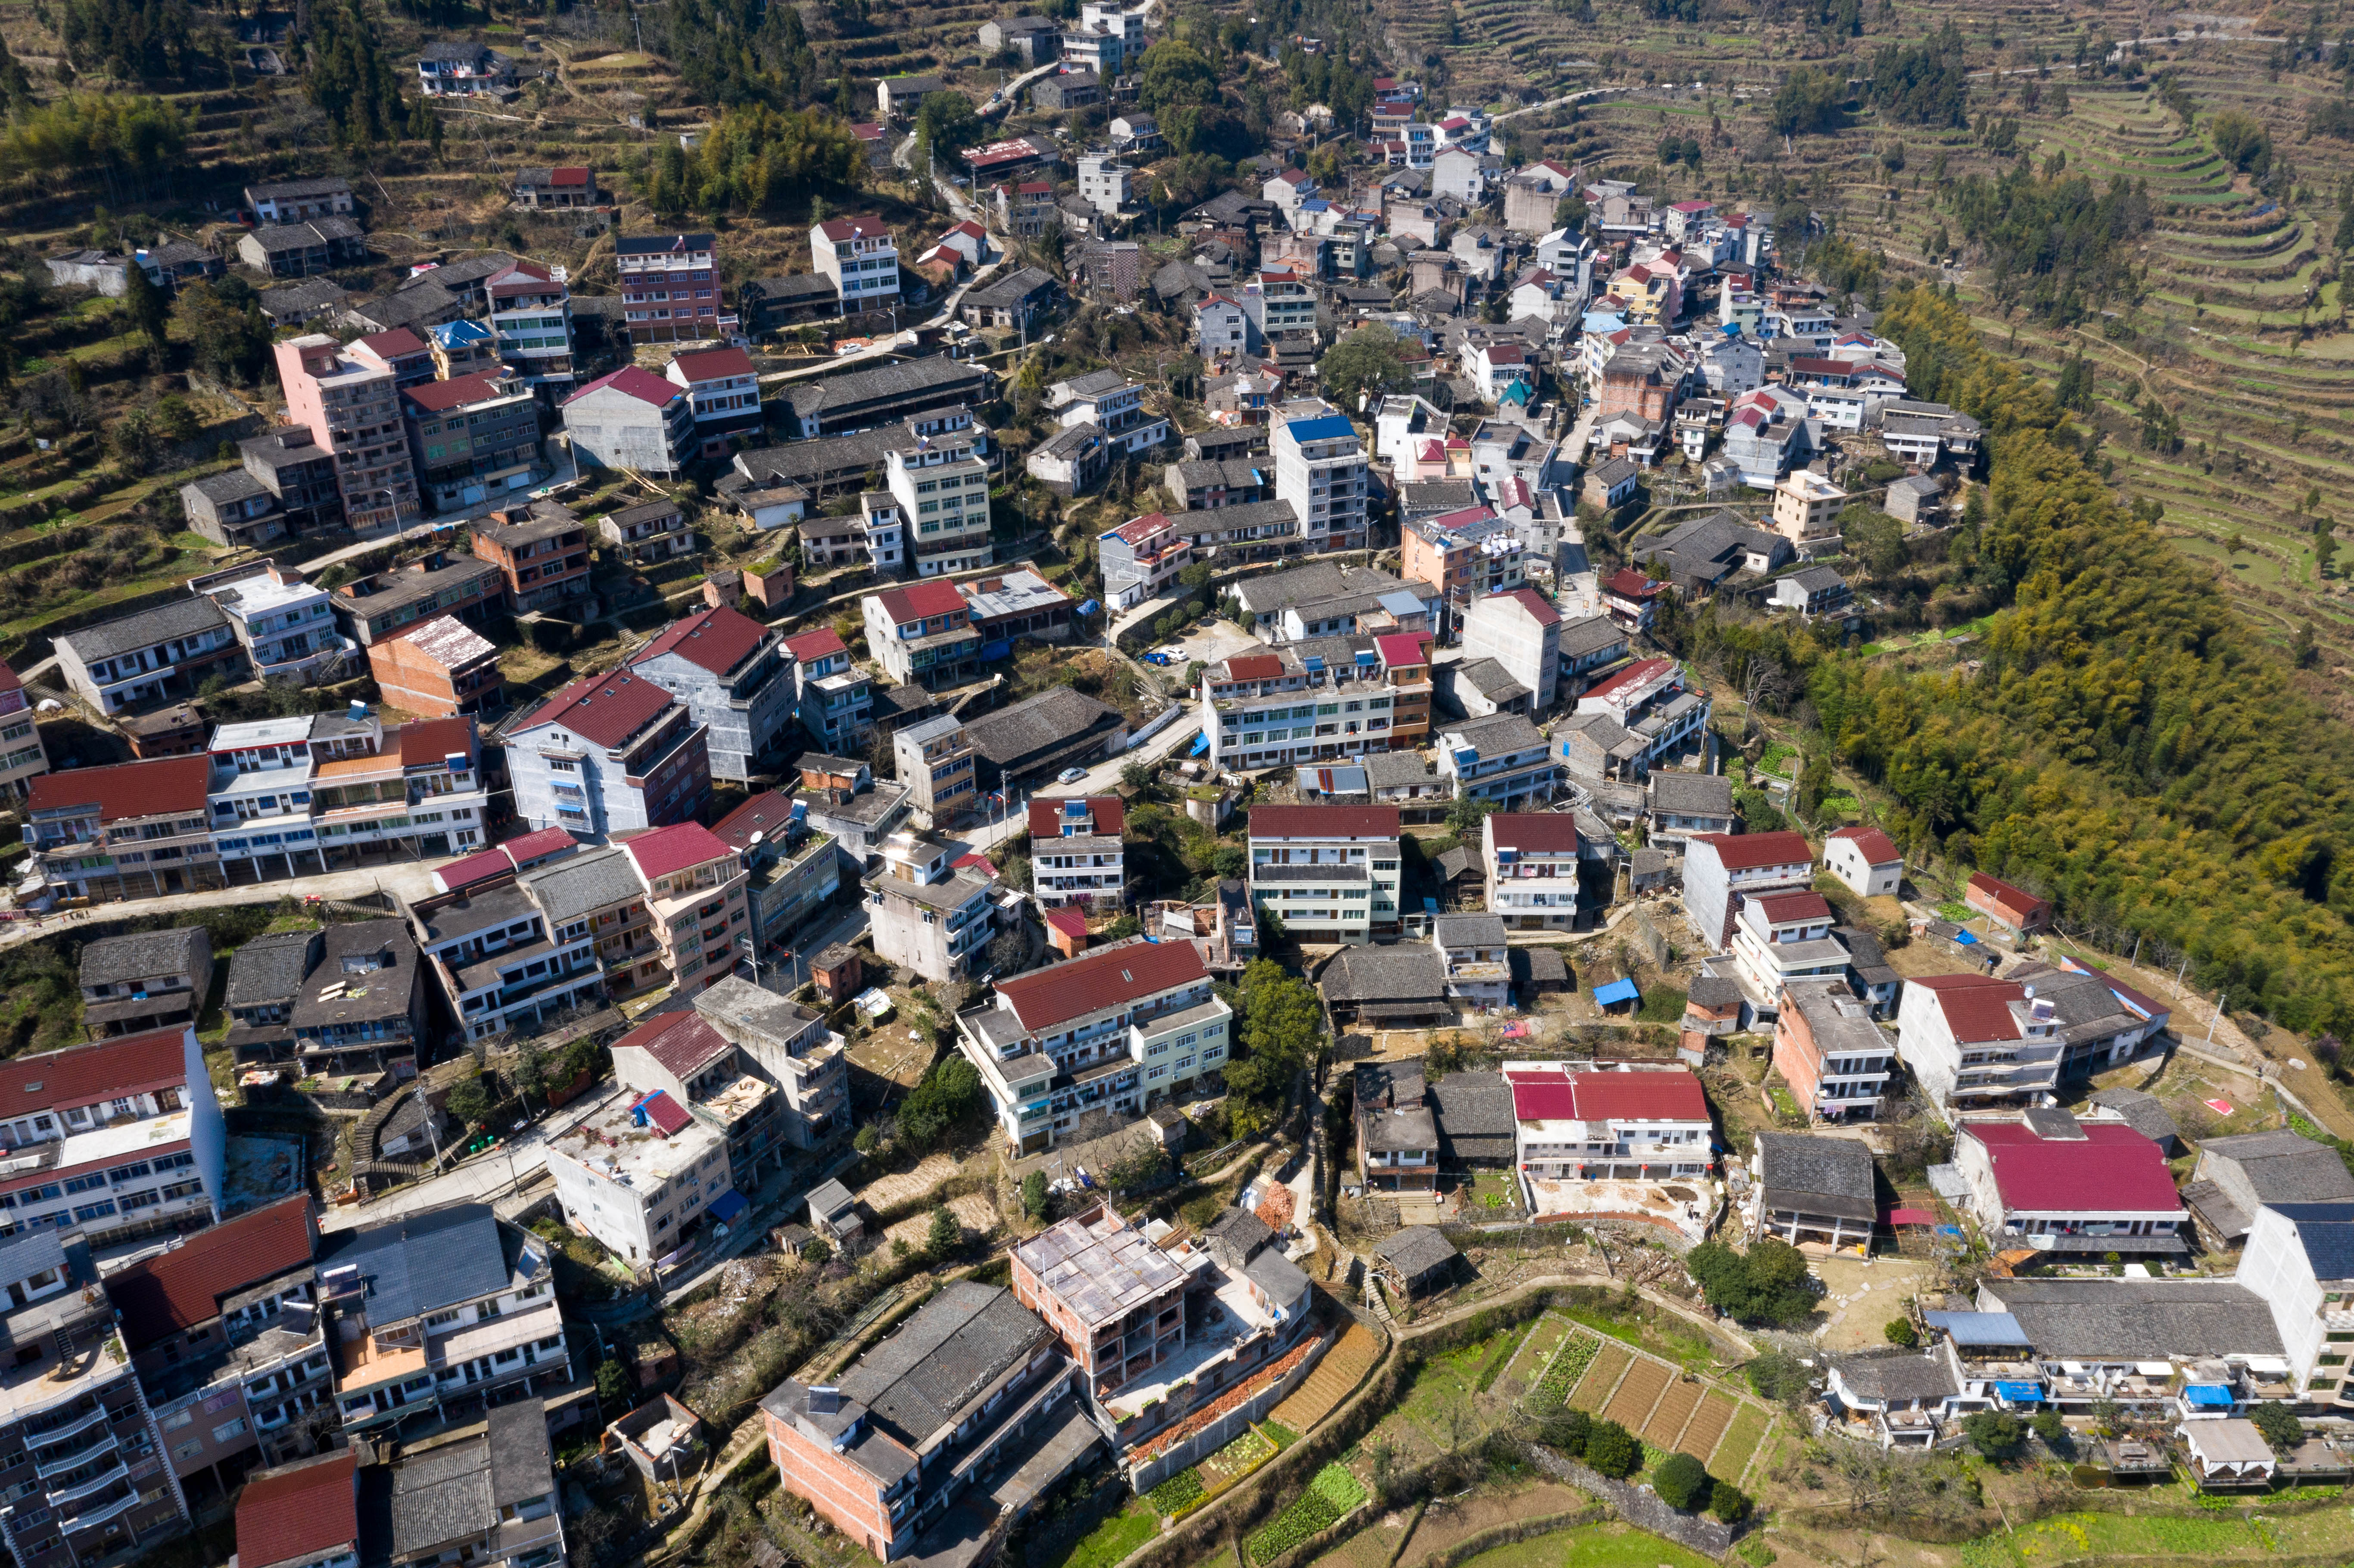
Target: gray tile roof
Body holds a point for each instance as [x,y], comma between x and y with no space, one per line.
[522,1466]
[921,1378]
[1457,862]
[181,618]
[913,377]
[1897,1376]
[1394,770]
[2281,1167]
[381,990]
[1279,1279]
[425,1261]
[1408,972]
[1499,734]
[1416,1251]
[580,884]
[270,968]
[1829,1176]
[2143,1111]
[2134,1320]
[1011,290]
[1713,990]
[831,1200]
[1469,931]
[1408,1129]
[1475,1116]
[1387,1083]
[1692,794]
[1491,680]
[1240,1232]
[235,485]
[178,951]
[1051,718]
[441,1494]
[1590,634]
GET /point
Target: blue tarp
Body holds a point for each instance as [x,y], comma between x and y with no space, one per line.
[1201,743]
[728,1204]
[1089,607]
[1964,939]
[992,653]
[1617,991]
[2020,1391]
[2209,1394]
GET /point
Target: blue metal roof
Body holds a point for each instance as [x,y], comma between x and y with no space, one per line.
[728,1204]
[1978,1328]
[1617,991]
[2024,1391]
[1332,428]
[2207,1394]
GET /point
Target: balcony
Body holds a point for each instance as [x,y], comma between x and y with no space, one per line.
[82,1456]
[99,1515]
[81,1490]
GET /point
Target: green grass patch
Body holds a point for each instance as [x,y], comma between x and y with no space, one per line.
[1330,1494]
[1503,1358]
[1112,1539]
[1612,1545]
[1740,1441]
[1662,1004]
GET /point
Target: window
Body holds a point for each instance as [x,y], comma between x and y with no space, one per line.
[229,1429]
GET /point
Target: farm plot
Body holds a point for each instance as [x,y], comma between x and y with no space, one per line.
[1602,1378]
[1447,1523]
[1343,1368]
[1667,1424]
[1707,1427]
[1530,1362]
[1739,1443]
[1631,1406]
[1329,1498]
[1568,1365]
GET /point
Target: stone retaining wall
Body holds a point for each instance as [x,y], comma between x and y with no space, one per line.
[1639,1508]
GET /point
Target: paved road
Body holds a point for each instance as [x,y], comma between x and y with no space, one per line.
[412,879]
[478,1180]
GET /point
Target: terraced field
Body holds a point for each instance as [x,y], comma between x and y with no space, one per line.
[1664,1407]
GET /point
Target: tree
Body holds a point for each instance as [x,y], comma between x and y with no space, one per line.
[612,1384]
[2047,1425]
[2241,141]
[1727,1501]
[149,310]
[1007,953]
[531,1074]
[470,1102]
[944,1235]
[945,123]
[2303,650]
[1807,100]
[1464,817]
[1363,367]
[1681,1482]
[1282,1025]
[228,335]
[1997,1434]
[1566,1430]
[948,1094]
[2325,550]
[1034,1194]
[817,1251]
[1768,1284]
[2281,1429]
[1176,75]
[351,79]
[1613,1450]
[1900,1331]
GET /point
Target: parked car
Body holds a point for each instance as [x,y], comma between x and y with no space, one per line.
[1070,775]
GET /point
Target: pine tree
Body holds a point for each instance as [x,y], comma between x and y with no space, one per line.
[149,310]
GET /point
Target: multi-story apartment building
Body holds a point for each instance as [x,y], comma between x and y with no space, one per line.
[22,758]
[1280,300]
[1782,939]
[608,754]
[531,324]
[1534,863]
[151,654]
[649,533]
[1020,604]
[1830,1053]
[923,635]
[75,1429]
[1463,555]
[633,418]
[934,761]
[1114,405]
[695,893]
[442,669]
[1077,853]
[1406,670]
[1976,1042]
[400,351]
[670,289]
[884,528]
[1141,558]
[724,391]
[137,830]
[437,1314]
[1721,870]
[861,258]
[145,981]
[1650,699]
[115,1140]
[927,913]
[223,1329]
[1328,874]
[285,623]
[832,698]
[886,1456]
[763,1071]
[2045,1180]
[542,555]
[639,1174]
[790,870]
[942,491]
[1307,701]
[1519,629]
[499,966]
[1115,1029]
[351,409]
[737,681]
[298,473]
[599,890]
[1320,468]
[419,792]
[1500,757]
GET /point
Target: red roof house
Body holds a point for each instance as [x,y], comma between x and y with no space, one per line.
[300,1512]
[2015,909]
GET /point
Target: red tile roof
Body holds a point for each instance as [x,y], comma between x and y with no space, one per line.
[439,396]
[1975,1007]
[2111,1170]
[176,1290]
[864,227]
[151,789]
[1753,851]
[1542,1097]
[810,646]
[1638,673]
[304,1511]
[606,709]
[1324,821]
[1110,978]
[918,600]
[570,175]
[1789,908]
[471,869]
[1542,833]
[8,679]
[1640,1096]
[544,843]
[766,813]
[82,1075]
[1068,921]
[1540,608]
[394,345]
[681,1042]
[2017,899]
[1876,847]
[427,743]
[1136,530]
[1404,648]
[1254,667]
[639,383]
[674,848]
[717,639]
[1046,815]
[711,364]
[666,1113]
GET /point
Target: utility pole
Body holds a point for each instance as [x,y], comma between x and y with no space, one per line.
[2211,1021]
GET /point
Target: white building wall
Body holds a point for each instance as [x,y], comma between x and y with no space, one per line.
[2273,1263]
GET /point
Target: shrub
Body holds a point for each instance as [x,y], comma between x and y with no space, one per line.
[1901,1332]
[1681,1482]
[1769,1284]
[1780,1376]
[1729,1503]
[1568,1431]
[1613,1450]
[2280,1429]
[1997,1434]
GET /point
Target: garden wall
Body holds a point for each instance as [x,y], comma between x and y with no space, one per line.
[1151,1473]
[1641,1509]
